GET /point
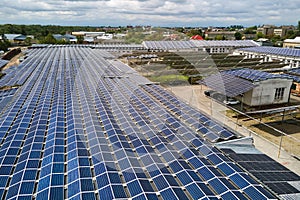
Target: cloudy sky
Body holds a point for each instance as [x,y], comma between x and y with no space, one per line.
[150,12]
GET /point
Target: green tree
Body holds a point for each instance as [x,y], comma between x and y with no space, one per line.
[260,35]
[250,30]
[238,36]
[4,44]
[290,34]
[49,39]
[28,41]
[194,32]
[80,39]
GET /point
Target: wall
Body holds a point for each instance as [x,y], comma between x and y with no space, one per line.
[290,44]
[264,93]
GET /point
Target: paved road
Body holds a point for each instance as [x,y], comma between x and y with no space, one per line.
[194,95]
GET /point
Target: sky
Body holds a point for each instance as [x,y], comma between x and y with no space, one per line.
[150,12]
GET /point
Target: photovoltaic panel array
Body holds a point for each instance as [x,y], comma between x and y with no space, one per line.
[168,45]
[3,63]
[228,84]
[114,47]
[274,51]
[225,43]
[296,78]
[277,177]
[254,75]
[17,75]
[6,96]
[192,44]
[295,71]
[78,129]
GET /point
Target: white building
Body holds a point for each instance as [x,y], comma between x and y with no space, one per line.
[269,88]
[292,43]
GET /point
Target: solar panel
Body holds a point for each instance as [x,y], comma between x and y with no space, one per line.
[254,75]
[77,129]
[3,63]
[274,51]
[228,84]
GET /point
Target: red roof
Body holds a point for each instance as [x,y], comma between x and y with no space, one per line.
[197,37]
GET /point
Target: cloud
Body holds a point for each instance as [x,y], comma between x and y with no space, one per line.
[150,12]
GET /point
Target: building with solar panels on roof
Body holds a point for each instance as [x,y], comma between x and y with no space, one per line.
[288,56]
[252,87]
[79,124]
[269,88]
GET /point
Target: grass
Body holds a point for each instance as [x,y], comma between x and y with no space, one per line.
[169,79]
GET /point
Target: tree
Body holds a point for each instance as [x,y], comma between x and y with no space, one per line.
[238,36]
[80,39]
[28,41]
[260,35]
[250,30]
[290,34]
[194,32]
[220,37]
[4,44]
[49,39]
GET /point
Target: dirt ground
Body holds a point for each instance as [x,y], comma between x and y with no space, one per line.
[288,135]
[14,61]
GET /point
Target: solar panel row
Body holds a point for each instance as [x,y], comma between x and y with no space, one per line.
[78,129]
[3,63]
[228,84]
[200,122]
[276,176]
[225,43]
[274,51]
[295,71]
[168,45]
[253,75]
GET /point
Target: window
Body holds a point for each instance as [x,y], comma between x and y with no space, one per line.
[279,92]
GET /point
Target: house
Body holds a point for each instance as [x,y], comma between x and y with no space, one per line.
[66,37]
[264,42]
[269,88]
[197,37]
[15,38]
[267,30]
[292,43]
[283,31]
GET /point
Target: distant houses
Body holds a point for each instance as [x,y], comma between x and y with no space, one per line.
[67,38]
[16,39]
[292,43]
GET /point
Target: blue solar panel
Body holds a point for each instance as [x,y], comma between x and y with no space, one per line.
[253,75]
[274,51]
[77,126]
